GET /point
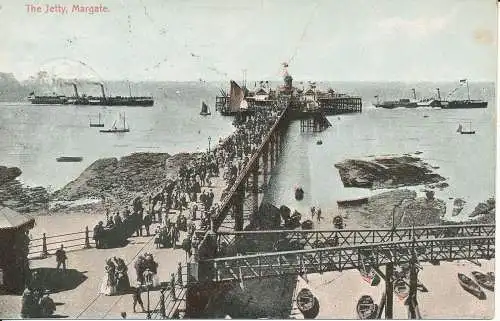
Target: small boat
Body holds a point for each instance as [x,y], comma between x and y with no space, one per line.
[353,202]
[366,308]
[299,193]
[307,303]
[470,286]
[368,274]
[484,280]
[319,142]
[204,109]
[98,124]
[425,116]
[114,129]
[338,222]
[69,159]
[465,132]
[401,289]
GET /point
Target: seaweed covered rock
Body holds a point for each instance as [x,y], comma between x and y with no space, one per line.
[387,172]
[121,179]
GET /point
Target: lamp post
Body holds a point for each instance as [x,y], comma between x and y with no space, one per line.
[209,139]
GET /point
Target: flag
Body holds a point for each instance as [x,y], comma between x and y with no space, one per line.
[462,81]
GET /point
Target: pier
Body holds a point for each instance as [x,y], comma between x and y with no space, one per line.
[230,257]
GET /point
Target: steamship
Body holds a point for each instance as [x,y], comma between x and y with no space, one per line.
[141,101]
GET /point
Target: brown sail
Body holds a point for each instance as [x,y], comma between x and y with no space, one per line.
[236,96]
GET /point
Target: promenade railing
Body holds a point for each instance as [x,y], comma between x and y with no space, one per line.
[47,245]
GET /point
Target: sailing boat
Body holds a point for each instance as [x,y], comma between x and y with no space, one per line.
[98,124]
[469,132]
[204,109]
[114,129]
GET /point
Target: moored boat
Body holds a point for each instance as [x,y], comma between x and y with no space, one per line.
[466,132]
[69,159]
[115,129]
[470,286]
[401,289]
[366,308]
[307,303]
[299,193]
[98,124]
[484,280]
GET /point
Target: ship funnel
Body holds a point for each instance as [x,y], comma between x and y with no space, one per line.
[439,94]
[102,90]
[76,90]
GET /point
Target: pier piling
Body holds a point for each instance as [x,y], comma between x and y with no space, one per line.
[389,289]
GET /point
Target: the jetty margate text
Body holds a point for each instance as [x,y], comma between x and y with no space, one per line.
[65,9]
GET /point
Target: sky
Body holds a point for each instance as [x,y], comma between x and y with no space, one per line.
[182,40]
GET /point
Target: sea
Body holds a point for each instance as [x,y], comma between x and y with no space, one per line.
[33,136]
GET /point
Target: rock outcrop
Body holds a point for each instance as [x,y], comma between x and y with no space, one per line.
[115,179]
[18,197]
[402,204]
[387,172]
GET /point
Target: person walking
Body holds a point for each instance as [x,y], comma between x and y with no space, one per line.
[147,222]
[136,297]
[61,258]
[313,211]
[318,215]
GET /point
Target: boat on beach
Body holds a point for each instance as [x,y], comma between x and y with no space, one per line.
[307,303]
[69,159]
[401,289]
[366,308]
[205,111]
[115,129]
[470,286]
[484,280]
[98,124]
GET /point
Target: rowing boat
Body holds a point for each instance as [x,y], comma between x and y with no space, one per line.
[470,286]
[366,308]
[484,280]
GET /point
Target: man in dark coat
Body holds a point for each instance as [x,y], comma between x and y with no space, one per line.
[61,258]
[98,231]
[147,222]
[138,224]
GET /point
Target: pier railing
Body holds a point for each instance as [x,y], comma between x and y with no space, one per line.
[243,267]
[246,171]
[47,245]
[242,241]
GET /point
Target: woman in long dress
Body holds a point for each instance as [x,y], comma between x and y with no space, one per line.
[108,282]
[122,280]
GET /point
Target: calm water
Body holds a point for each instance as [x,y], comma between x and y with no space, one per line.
[34,136]
[467,161]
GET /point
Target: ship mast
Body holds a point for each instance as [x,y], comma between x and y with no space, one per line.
[468,92]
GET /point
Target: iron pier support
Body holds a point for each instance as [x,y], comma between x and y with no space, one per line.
[238,199]
[389,288]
